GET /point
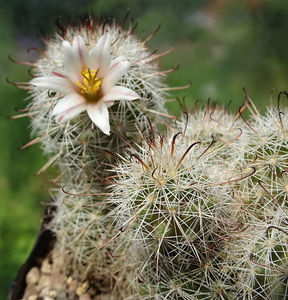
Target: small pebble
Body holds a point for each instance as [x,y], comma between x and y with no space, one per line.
[82,289]
[33,276]
[46,267]
[69,279]
[53,294]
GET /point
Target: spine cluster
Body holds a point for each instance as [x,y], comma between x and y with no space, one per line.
[196,211]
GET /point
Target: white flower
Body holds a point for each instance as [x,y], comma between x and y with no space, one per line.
[88,82]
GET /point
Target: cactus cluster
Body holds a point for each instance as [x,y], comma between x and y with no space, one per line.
[195,211]
[207,207]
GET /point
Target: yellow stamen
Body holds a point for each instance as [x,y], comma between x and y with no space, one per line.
[90,84]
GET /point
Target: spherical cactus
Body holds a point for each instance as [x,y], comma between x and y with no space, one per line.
[79,76]
[201,229]
[173,194]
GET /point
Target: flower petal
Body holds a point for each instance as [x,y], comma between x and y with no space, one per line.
[56,84]
[60,73]
[120,93]
[68,102]
[81,50]
[72,62]
[70,113]
[116,70]
[100,55]
[99,115]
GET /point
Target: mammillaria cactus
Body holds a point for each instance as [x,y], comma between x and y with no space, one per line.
[208,220]
[78,77]
[197,211]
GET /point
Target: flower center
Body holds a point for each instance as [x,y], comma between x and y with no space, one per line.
[91,83]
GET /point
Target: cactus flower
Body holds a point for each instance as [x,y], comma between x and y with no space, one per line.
[88,82]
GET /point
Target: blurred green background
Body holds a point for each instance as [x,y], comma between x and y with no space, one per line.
[221,46]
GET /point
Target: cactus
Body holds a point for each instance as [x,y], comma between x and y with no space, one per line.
[207,209]
[196,211]
[77,79]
